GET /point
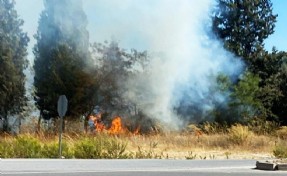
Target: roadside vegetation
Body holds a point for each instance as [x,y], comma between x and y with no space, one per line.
[208,141]
[249,123]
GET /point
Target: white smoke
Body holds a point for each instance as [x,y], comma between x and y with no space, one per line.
[185,59]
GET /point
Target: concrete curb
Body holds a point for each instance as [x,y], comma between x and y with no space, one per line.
[282,166]
[271,165]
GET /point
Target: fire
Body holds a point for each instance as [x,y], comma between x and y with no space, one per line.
[116,127]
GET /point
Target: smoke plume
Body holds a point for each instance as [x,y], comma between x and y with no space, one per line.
[185,59]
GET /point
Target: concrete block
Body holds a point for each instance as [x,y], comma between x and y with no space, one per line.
[282,166]
[265,165]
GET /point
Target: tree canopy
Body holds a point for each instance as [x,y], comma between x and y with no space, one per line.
[243,25]
[62,58]
[13,61]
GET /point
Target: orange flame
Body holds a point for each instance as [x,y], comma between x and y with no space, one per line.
[117,126]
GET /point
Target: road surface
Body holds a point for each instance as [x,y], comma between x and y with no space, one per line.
[75,167]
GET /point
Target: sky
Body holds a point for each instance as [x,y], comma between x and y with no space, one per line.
[108,19]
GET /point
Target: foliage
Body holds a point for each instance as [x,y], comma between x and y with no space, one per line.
[146,154]
[114,67]
[27,147]
[6,149]
[282,132]
[214,127]
[191,156]
[100,147]
[13,51]
[261,126]
[254,20]
[242,99]
[51,150]
[62,59]
[88,149]
[239,134]
[280,150]
[236,18]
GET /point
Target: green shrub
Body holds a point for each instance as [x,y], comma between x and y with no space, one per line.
[51,150]
[6,149]
[88,148]
[114,149]
[100,147]
[239,134]
[280,151]
[26,147]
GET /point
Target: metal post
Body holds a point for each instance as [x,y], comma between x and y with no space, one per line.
[60,137]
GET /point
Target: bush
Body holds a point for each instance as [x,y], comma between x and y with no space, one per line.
[51,150]
[6,149]
[100,147]
[88,148]
[261,126]
[282,132]
[214,127]
[239,134]
[26,147]
[280,151]
[114,149]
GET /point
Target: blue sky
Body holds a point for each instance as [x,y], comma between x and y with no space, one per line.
[279,38]
[101,12]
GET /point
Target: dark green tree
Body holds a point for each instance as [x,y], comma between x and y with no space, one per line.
[13,51]
[62,59]
[243,25]
[272,70]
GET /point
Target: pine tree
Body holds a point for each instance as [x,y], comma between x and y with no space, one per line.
[243,25]
[13,51]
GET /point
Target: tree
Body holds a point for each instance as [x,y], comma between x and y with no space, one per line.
[13,51]
[114,67]
[243,25]
[62,59]
[273,86]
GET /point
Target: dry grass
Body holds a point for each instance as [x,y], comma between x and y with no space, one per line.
[217,146]
[236,142]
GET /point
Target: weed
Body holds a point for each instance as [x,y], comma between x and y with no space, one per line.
[191,156]
[212,156]
[51,150]
[27,147]
[280,150]
[282,132]
[88,148]
[214,128]
[239,134]
[227,155]
[261,126]
[114,149]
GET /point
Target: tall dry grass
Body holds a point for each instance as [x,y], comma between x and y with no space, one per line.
[197,142]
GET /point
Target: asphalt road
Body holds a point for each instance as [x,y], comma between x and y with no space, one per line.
[58,167]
